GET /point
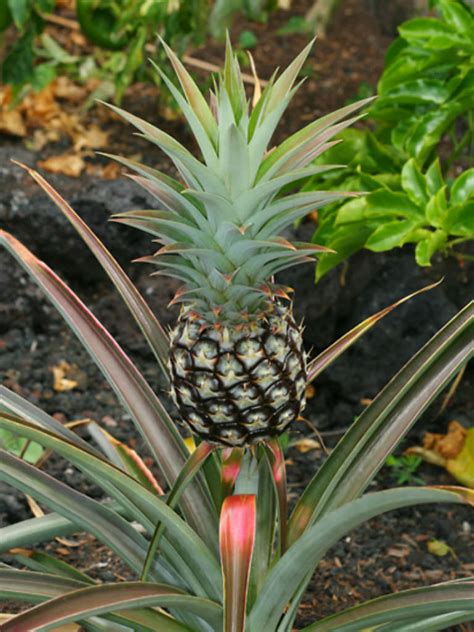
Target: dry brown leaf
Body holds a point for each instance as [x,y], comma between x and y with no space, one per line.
[306,445]
[12,123]
[90,138]
[310,391]
[448,445]
[66,89]
[68,164]
[61,381]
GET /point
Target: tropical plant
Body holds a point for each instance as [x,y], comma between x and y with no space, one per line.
[427,86]
[219,551]
[402,205]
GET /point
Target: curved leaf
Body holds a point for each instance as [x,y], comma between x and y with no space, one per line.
[145,408]
[303,556]
[364,448]
[420,602]
[98,600]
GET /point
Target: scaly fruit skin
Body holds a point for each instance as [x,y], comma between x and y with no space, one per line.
[238,386]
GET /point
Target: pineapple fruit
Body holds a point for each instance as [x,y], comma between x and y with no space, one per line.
[237,362]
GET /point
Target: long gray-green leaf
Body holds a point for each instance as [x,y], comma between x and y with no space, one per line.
[145,408]
[197,557]
[39,587]
[98,600]
[358,456]
[420,602]
[139,309]
[303,556]
[90,515]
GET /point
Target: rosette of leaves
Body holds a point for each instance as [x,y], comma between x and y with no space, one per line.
[427,86]
[219,551]
[413,207]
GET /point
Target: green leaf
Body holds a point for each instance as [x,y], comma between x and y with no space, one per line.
[459,17]
[462,220]
[248,39]
[431,33]
[377,431]
[463,187]
[18,446]
[392,203]
[346,241]
[304,554]
[390,235]
[430,128]
[399,610]
[414,183]
[434,177]
[97,600]
[426,248]
[17,67]
[21,11]
[43,74]
[437,210]
[352,211]
[415,92]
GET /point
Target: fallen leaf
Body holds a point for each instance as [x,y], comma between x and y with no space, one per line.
[454,451]
[12,123]
[400,551]
[68,164]
[306,445]
[310,391]
[61,382]
[91,138]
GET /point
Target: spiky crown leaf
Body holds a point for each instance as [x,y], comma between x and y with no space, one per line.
[219,228]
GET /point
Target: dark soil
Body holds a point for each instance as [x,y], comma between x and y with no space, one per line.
[390,552]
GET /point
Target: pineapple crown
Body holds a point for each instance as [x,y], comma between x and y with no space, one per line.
[219,225]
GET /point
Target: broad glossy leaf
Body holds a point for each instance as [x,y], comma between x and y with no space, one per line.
[459,17]
[303,555]
[432,33]
[463,220]
[146,410]
[414,183]
[391,234]
[396,609]
[426,248]
[434,177]
[98,600]
[236,541]
[378,430]
[462,188]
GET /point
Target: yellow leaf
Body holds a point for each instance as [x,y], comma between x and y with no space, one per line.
[68,164]
[61,382]
[440,548]
[11,122]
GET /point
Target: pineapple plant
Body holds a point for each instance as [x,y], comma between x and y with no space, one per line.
[237,362]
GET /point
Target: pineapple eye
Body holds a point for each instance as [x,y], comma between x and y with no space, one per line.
[182,361]
[206,348]
[276,346]
[278,394]
[228,366]
[248,348]
[286,416]
[265,370]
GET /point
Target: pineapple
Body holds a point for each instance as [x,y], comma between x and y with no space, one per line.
[237,362]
